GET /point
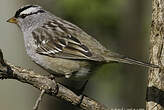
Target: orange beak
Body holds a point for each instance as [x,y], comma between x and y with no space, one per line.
[12,20]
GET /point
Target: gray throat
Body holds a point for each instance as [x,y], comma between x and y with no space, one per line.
[30,45]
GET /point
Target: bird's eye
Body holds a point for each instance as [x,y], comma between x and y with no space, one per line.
[23,15]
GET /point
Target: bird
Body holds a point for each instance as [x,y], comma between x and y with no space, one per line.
[62,48]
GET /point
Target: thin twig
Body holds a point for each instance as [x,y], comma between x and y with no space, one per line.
[36,106]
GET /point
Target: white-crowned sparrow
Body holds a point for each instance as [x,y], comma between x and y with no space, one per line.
[61,47]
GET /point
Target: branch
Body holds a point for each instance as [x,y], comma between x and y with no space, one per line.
[155,89]
[46,85]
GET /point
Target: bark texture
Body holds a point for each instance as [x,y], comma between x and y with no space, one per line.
[49,85]
[155,89]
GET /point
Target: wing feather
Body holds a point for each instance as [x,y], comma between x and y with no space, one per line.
[56,41]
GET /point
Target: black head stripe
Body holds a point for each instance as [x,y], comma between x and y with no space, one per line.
[24,15]
[22,9]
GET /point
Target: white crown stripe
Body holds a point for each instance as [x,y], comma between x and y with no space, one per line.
[29,10]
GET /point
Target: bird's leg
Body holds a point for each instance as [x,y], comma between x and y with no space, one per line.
[75,90]
[78,92]
[81,90]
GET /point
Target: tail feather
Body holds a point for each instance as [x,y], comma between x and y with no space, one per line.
[120,58]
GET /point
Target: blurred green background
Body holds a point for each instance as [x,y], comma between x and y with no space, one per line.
[120,25]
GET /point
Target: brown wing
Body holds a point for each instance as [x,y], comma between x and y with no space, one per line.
[55,40]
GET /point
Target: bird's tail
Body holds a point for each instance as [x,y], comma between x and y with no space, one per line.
[111,56]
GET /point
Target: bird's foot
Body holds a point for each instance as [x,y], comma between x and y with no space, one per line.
[80,91]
